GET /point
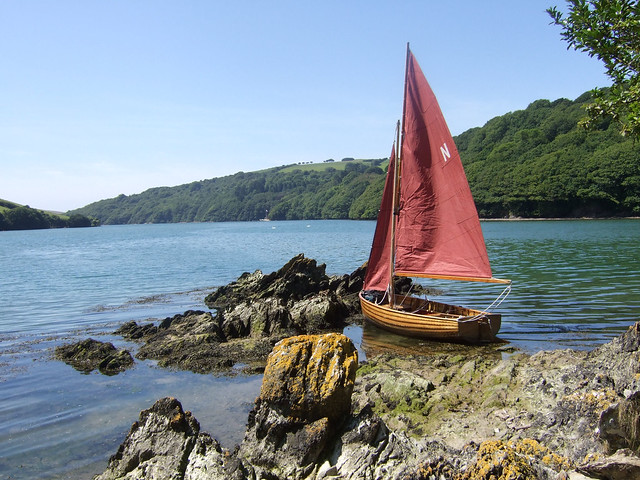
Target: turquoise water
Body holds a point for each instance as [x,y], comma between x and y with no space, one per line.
[576,285]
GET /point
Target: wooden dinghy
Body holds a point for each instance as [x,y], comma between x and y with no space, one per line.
[417,317]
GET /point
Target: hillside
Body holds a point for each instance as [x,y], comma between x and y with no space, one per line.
[19,217]
[529,163]
[538,163]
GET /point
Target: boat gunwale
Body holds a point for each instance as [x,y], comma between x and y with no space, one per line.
[435,315]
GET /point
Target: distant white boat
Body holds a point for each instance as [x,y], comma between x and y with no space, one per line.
[266,217]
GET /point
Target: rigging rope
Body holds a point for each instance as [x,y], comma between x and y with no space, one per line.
[496,303]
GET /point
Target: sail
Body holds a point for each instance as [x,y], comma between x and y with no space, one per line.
[379,266]
[438,230]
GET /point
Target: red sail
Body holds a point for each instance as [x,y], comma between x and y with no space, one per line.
[378,269]
[438,230]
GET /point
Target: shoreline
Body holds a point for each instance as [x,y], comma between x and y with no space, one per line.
[554,219]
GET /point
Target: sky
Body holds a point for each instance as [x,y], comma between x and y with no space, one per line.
[105,98]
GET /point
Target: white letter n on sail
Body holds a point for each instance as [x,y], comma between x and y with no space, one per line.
[445,152]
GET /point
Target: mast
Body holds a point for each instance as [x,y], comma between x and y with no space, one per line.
[395,208]
[394,215]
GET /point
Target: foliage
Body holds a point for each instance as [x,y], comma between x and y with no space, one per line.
[537,163]
[610,31]
[529,163]
[18,217]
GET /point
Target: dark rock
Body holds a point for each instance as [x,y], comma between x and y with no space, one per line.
[133,331]
[316,313]
[158,444]
[619,425]
[88,355]
[259,318]
[299,277]
[252,314]
[235,292]
[623,465]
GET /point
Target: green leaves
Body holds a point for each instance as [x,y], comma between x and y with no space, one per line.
[610,31]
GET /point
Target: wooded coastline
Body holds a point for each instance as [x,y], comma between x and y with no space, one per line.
[535,163]
[532,163]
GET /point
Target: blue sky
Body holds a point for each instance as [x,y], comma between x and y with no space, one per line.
[101,98]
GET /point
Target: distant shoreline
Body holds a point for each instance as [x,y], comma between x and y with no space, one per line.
[553,219]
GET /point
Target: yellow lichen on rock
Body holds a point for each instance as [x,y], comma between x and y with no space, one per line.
[311,376]
[594,400]
[513,460]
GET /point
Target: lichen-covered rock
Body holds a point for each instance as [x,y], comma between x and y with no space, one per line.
[310,377]
[301,428]
[305,394]
[88,355]
[464,415]
[523,460]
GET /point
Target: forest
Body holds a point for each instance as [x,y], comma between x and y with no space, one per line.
[531,163]
[23,217]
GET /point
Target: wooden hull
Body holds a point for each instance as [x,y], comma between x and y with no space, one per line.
[417,317]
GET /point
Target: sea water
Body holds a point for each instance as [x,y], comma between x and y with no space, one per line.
[575,285]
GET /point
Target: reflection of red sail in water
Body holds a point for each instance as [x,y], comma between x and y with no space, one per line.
[428,226]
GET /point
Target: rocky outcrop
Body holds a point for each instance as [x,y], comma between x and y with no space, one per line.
[623,465]
[305,395]
[552,415]
[89,355]
[298,278]
[301,427]
[251,315]
[158,444]
[195,341]
[579,407]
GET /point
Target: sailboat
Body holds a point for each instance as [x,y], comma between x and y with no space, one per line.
[427,227]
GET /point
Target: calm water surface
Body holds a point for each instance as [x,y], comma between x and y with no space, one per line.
[576,285]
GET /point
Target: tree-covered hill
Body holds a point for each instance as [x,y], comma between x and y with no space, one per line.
[538,163]
[22,217]
[305,192]
[530,163]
